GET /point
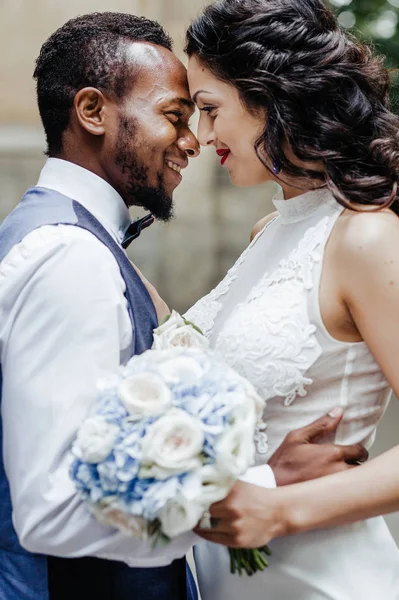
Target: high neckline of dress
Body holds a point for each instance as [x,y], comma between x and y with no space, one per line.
[304,206]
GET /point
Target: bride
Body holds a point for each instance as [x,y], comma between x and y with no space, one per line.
[309,311]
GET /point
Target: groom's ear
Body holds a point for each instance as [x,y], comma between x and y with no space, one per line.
[89,105]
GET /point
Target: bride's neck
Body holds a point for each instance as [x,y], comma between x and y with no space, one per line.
[290,191]
[293,187]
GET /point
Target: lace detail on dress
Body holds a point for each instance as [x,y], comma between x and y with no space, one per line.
[260,438]
[268,338]
[205,311]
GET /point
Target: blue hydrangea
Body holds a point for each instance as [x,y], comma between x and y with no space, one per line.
[210,398]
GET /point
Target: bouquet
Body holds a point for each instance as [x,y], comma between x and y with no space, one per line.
[168,436]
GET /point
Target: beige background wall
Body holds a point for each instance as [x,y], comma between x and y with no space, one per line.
[184,259]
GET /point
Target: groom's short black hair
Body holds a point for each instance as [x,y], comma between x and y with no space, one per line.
[87,51]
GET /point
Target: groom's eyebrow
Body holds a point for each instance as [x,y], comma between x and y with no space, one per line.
[186,103]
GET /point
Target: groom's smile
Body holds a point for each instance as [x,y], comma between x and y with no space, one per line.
[150,141]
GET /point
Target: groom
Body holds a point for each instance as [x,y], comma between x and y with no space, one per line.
[115,108]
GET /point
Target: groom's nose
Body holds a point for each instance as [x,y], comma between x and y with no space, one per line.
[189,145]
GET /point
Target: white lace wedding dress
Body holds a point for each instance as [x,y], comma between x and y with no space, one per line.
[264,320]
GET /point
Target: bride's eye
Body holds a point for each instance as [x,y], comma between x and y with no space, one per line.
[210,110]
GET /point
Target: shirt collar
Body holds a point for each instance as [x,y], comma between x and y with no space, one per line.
[91,191]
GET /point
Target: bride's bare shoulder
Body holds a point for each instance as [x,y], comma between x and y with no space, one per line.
[367,243]
[367,229]
[260,224]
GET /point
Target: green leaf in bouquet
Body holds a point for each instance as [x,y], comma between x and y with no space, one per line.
[164,320]
[155,533]
[193,325]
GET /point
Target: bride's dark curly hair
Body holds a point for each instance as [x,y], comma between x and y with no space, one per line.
[325,94]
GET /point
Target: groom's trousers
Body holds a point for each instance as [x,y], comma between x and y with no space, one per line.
[96,579]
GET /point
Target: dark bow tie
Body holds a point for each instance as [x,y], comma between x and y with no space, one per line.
[134,230]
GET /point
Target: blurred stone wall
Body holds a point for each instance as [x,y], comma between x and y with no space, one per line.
[184,259]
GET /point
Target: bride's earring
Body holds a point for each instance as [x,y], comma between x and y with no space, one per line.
[276,167]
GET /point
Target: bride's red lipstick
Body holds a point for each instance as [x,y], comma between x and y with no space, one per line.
[224,153]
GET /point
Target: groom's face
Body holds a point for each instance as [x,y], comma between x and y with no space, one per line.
[150,141]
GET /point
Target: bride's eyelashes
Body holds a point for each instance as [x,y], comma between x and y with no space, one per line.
[210,110]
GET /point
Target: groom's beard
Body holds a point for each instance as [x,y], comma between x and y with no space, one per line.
[137,190]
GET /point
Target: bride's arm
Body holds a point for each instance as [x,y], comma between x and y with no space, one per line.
[362,493]
[346,497]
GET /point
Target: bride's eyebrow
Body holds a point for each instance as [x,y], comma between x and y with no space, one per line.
[199,92]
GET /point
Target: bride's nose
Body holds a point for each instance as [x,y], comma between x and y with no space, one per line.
[206,135]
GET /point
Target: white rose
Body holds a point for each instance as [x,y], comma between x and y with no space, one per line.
[184,336]
[110,515]
[172,445]
[215,485]
[174,321]
[145,395]
[245,411]
[253,395]
[95,439]
[180,515]
[182,369]
[250,394]
[235,449]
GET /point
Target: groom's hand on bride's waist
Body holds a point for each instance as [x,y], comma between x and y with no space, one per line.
[250,516]
[303,455]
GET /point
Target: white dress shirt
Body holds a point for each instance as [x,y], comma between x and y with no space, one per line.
[63,325]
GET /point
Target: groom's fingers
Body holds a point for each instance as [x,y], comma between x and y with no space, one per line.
[352,454]
[322,427]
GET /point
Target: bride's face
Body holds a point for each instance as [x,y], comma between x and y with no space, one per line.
[227,125]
